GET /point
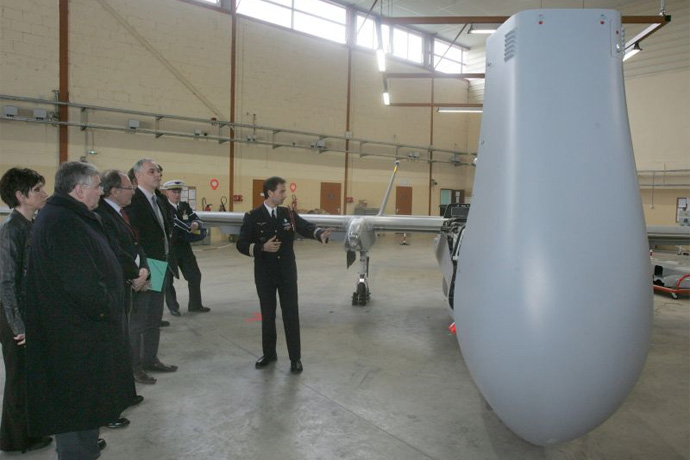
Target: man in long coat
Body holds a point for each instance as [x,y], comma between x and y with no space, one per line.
[78,373]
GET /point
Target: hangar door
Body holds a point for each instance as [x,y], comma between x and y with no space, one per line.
[403,200]
[330,197]
[257,193]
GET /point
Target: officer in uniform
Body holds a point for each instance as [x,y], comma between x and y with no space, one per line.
[185,223]
[267,235]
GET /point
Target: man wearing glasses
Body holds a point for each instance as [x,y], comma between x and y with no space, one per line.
[124,241]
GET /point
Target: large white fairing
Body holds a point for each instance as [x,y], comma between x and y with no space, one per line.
[553,304]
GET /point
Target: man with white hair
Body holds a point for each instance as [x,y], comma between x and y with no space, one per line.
[78,377]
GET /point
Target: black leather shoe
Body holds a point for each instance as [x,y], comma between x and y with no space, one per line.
[101,443]
[175,312]
[296,367]
[160,367]
[200,309]
[143,377]
[165,323]
[119,423]
[265,361]
[137,400]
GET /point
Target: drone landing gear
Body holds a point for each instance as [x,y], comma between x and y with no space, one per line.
[362,294]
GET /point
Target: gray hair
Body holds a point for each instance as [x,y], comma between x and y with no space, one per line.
[140,164]
[111,179]
[73,173]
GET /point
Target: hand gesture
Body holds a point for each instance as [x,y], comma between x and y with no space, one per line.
[272,245]
[325,235]
[20,338]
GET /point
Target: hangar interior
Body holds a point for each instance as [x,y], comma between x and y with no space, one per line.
[292,88]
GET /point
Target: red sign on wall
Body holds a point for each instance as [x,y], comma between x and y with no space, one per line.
[293,187]
[214,183]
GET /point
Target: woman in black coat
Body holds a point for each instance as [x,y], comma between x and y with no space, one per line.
[22,190]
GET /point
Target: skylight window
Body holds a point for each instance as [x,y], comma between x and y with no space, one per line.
[448,58]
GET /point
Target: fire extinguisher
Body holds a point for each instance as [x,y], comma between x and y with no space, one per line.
[206,206]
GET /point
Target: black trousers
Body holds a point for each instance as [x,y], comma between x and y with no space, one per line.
[77,445]
[186,261]
[14,431]
[144,325]
[287,292]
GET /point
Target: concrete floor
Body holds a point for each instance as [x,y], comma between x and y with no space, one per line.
[386,381]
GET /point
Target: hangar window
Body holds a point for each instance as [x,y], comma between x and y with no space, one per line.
[212,2]
[314,17]
[367,36]
[408,45]
[275,12]
[322,19]
[448,58]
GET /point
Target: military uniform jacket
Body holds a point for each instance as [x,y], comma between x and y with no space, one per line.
[179,246]
[258,227]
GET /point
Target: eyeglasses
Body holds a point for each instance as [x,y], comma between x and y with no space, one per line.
[125,188]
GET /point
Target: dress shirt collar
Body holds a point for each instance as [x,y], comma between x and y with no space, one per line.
[270,209]
[113,205]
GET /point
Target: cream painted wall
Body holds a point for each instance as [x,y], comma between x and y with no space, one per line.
[171,57]
[660,205]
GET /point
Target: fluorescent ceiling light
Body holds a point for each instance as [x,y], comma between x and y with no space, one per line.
[381,59]
[386,98]
[460,109]
[631,51]
[482,29]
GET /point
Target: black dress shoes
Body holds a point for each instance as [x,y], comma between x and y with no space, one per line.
[175,312]
[142,377]
[200,309]
[160,367]
[101,443]
[137,400]
[165,323]
[119,423]
[296,367]
[265,361]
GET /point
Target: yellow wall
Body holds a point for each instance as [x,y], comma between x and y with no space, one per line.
[172,57]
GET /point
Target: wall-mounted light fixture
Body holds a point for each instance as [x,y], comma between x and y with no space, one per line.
[470,108]
[133,124]
[631,51]
[9,111]
[40,114]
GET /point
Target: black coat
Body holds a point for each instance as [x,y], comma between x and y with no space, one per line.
[258,227]
[79,374]
[123,241]
[180,248]
[151,236]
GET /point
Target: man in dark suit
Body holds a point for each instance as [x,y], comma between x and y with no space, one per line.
[147,216]
[185,222]
[267,235]
[78,375]
[123,240]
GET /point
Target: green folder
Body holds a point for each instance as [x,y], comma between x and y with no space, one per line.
[157,269]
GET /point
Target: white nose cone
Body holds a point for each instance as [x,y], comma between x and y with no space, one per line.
[553,302]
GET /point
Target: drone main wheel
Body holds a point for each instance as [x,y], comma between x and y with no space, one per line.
[361,294]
